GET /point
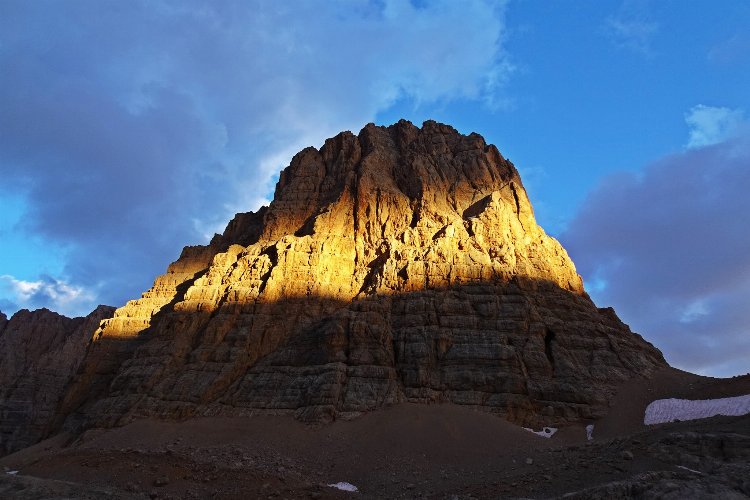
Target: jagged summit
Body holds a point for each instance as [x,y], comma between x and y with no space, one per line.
[395,209]
[315,179]
[399,264]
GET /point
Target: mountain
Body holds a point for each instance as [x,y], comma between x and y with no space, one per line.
[399,264]
[40,352]
[394,268]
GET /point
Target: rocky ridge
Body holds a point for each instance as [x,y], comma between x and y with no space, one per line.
[399,264]
[39,353]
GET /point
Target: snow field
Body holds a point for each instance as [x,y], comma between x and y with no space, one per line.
[669,410]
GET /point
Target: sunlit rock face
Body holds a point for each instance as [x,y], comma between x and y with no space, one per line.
[39,353]
[400,264]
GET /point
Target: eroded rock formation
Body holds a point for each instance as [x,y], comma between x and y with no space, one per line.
[402,263]
[39,353]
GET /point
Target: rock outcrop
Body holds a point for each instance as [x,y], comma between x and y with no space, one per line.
[397,264]
[40,352]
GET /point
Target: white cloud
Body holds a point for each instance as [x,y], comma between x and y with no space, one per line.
[694,311]
[710,125]
[47,292]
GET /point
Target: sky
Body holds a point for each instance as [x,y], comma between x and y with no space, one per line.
[131,129]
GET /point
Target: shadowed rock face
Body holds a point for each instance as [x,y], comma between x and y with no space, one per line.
[39,353]
[397,264]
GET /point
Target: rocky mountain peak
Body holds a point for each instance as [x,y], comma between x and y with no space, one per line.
[398,264]
[423,197]
[417,172]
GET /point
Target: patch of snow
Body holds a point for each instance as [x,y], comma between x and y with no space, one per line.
[589,432]
[12,472]
[546,432]
[344,486]
[688,469]
[669,410]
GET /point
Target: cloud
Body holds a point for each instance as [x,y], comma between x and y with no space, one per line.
[132,129]
[669,249]
[631,28]
[711,125]
[734,50]
[47,292]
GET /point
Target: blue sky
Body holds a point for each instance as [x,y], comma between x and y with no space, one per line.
[128,130]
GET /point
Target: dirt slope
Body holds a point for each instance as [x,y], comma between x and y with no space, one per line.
[411,451]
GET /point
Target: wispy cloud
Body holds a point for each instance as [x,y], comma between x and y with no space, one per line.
[733,50]
[631,28]
[133,129]
[711,125]
[47,292]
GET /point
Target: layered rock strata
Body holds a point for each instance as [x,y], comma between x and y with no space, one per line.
[399,264]
[40,352]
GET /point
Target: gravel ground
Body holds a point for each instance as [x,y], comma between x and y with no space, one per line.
[406,451]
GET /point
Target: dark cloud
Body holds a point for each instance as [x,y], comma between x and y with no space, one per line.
[133,128]
[669,248]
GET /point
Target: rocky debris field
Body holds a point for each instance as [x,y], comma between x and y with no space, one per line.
[408,451]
